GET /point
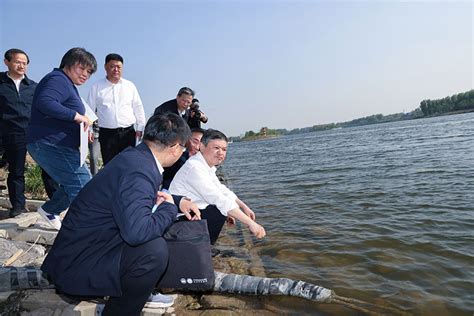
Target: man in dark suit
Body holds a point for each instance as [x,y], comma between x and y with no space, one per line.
[110,243]
[180,105]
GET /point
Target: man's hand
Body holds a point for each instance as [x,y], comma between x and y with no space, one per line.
[257,230]
[162,197]
[203,117]
[82,118]
[186,207]
[230,221]
[91,137]
[249,213]
[138,134]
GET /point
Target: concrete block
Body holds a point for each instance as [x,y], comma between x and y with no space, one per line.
[5,295]
[23,220]
[88,309]
[8,230]
[36,299]
[46,236]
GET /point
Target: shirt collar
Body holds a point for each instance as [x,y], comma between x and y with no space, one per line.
[158,164]
[111,83]
[22,77]
[200,157]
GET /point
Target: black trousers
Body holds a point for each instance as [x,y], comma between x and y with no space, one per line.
[113,141]
[215,221]
[14,145]
[140,269]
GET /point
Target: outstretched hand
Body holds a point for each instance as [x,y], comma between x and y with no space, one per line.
[257,230]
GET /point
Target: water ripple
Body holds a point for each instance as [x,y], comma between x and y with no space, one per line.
[382,213]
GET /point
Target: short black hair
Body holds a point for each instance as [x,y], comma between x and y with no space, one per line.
[186,90]
[13,51]
[78,55]
[197,130]
[166,129]
[212,134]
[113,56]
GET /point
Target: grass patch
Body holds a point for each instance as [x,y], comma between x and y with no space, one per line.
[33,182]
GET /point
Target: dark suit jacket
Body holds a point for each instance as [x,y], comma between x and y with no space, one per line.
[113,209]
[15,108]
[171,106]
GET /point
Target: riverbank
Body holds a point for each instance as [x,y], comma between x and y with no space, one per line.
[32,233]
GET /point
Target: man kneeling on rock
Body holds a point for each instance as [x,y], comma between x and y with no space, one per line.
[111,243]
[197,180]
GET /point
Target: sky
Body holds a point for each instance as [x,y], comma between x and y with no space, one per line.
[279,64]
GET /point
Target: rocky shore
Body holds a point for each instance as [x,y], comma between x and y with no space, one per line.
[29,235]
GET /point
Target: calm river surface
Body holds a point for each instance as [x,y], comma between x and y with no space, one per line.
[381,213]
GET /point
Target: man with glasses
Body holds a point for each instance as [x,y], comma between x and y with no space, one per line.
[111,242]
[180,105]
[119,109]
[16,96]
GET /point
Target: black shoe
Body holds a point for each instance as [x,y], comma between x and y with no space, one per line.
[14,213]
[215,252]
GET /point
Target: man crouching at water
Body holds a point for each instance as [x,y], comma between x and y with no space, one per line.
[110,243]
[197,180]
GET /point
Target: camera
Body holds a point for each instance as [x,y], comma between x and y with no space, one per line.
[195,109]
[195,115]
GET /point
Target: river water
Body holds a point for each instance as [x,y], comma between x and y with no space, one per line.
[382,213]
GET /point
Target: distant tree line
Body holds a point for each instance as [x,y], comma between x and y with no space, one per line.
[461,102]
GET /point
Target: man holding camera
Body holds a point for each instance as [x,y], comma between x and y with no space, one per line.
[185,106]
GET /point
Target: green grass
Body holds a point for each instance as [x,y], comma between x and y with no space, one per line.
[33,182]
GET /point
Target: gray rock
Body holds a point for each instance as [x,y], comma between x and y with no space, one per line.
[222,302]
[47,235]
[34,256]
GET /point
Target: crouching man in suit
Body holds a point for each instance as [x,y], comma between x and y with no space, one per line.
[110,243]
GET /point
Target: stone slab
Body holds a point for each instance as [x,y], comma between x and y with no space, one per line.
[46,235]
[23,220]
[36,299]
[30,204]
[4,296]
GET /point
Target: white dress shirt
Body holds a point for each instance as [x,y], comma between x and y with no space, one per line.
[117,104]
[199,182]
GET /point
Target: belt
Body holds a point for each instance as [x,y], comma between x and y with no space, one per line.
[118,129]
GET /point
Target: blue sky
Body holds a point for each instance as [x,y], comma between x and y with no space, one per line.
[281,64]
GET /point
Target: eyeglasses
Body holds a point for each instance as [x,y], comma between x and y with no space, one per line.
[183,147]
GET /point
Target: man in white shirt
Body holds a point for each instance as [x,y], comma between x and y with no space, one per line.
[198,181]
[119,109]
